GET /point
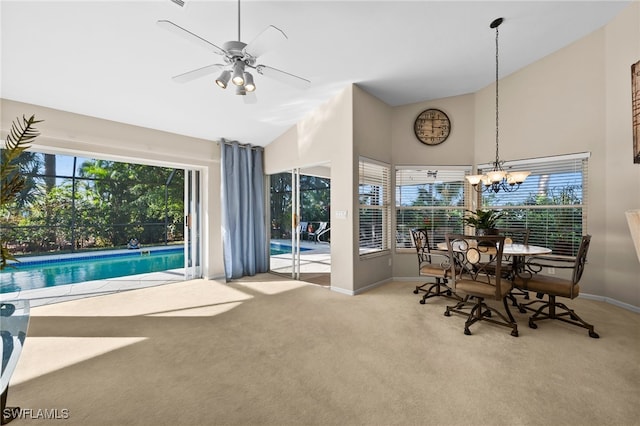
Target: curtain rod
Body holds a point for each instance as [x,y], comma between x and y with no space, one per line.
[241,145]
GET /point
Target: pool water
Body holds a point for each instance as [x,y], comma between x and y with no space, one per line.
[278,248]
[34,275]
[42,274]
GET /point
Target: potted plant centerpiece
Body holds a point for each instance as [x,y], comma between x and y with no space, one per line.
[484,221]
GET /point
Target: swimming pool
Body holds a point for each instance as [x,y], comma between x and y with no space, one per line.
[63,270]
[40,274]
[279,248]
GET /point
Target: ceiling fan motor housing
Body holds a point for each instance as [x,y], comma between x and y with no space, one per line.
[235,52]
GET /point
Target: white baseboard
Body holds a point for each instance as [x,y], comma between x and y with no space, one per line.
[216,278]
[361,290]
[611,301]
[342,291]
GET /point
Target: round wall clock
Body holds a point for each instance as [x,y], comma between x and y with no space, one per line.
[432,127]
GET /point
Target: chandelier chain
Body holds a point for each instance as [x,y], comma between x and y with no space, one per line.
[497,179]
[497,99]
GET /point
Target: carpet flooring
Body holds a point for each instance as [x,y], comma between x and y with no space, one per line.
[271,351]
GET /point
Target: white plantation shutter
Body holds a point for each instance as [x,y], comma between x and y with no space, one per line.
[374,206]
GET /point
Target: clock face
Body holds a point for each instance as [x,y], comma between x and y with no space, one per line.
[432,127]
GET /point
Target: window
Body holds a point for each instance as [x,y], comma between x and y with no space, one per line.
[551,202]
[74,204]
[431,198]
[374,210]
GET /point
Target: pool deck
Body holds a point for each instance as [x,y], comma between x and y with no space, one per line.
[62,293]
[316,258]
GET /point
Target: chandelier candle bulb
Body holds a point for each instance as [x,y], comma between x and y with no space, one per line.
[474,179]
[517,177]
[496,176]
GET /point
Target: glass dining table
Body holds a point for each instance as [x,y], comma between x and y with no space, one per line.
[513,249]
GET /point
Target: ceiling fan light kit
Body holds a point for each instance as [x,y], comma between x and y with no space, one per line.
[248,82]
[224,78]
[238,71]
[238,56]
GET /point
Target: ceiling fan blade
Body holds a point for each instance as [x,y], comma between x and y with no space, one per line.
[283,76]
[176,29]
[270,38]
[200,72]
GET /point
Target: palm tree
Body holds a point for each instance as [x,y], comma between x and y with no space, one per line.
[12,182]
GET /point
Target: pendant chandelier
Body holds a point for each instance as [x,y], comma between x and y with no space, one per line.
[497,178]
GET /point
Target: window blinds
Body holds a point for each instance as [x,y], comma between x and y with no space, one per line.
[551,202]
[432,198]
[374,206]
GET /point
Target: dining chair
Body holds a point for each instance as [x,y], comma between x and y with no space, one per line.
[514,236]
[477,273]
[431,264]
[554,286]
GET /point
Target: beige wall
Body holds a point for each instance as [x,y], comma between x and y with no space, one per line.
[317,139]
[621,267]
[458,149]
[63,132]
[554,107]
[578,100]
[407,150]
[326,137]
[371,139]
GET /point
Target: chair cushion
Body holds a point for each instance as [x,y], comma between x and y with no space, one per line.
[434,271]
[548,285]
[480,289]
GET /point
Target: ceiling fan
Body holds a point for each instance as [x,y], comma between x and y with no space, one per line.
[238,58]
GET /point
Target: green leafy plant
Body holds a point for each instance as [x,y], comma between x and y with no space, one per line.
[21,134]
[482,219]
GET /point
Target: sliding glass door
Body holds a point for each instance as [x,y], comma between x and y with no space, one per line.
[192,225]
[300,226]
[285,223]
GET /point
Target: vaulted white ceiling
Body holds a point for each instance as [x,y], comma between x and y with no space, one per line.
[111,60]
